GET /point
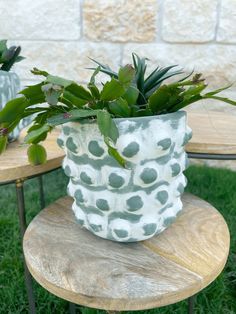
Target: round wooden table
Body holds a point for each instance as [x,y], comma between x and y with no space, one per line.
[14,163]
[15,168]
[214,135]
[75,265]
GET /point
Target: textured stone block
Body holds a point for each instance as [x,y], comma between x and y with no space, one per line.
[120,20]
[40,19]
[227,25]
[189,21]
[67,59]
[216,62]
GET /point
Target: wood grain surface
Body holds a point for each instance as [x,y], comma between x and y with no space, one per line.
[213,132]
[75,265]
[14,161]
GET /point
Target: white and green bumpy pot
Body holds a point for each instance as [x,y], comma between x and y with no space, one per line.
[127,205]
[9,87]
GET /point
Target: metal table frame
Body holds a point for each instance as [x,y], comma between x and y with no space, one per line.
[210,156]
[19,183]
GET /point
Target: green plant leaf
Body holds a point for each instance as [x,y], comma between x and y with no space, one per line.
[156,77]
[131,95]
[140,69]
[159,99]
[37,154]
[34,94]
[35,110]
[186,76]
[3,45]
[36,71]
[95,73]
[194,90]
[158,83]
[217,91]
[120,108]
[104,69]
[42,117]
[56,80]
[3,143]
[13,109]
[37,132]
[165,97]
[19,59]
[71,100]
[126,74]
[8,54]
[224,99]
[41,137]
[134,110]
[143,112]
[9,57]
[193,94]
[112,90]
[150,76]
[72,115]
[91,85]
[94,91]
[196,80]
[107,126]
[112,151]
[184,103]
[100,104]
[79,91]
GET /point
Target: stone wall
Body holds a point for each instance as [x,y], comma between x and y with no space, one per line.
[60,35]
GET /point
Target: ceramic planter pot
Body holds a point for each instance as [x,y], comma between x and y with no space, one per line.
[9,87]
[133,204]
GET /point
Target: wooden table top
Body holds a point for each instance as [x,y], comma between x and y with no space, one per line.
[14,161]
[75,265]
[213,132]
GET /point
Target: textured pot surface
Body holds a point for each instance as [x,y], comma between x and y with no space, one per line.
[127,204]
[9,87]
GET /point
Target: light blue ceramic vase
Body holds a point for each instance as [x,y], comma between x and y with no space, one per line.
[9,87]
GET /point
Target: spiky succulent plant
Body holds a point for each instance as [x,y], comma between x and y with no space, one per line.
[9,56]
[146,85]
[163,98]
[127,94]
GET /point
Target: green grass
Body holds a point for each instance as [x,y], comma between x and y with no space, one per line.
[217,186]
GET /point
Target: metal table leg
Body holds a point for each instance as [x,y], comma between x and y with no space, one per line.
[41,192]
[191,304]
[21,212]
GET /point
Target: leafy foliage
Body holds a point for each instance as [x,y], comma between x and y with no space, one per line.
[146,86]
[128,93]
[9,56]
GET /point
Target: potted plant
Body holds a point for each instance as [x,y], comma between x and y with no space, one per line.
[124,143]
[9,81]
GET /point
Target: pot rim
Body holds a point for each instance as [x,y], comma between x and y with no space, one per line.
[168,116]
